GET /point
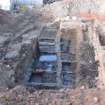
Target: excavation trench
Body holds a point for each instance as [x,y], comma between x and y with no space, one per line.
[53,62]
[56,61]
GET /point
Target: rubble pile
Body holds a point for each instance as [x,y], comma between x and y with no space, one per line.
[64,8]
[5,17]
[16,47]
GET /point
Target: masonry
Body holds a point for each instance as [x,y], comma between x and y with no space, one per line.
[60,62]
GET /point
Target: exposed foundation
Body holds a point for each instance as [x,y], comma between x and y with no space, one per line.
[63,58]
[56,64]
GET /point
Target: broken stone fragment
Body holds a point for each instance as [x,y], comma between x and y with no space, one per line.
[11,54]
[95,99]
[82,87]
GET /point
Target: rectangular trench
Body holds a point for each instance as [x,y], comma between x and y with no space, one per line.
[55,66]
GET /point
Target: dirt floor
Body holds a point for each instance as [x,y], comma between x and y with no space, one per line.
[22,96]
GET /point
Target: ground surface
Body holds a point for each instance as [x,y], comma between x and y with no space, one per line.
[20,96]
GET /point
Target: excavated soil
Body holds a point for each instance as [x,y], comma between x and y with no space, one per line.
[22,96]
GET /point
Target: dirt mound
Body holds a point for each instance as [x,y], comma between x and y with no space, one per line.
[5,17]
